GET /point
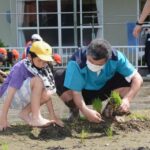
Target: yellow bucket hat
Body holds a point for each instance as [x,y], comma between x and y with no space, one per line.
[43,50]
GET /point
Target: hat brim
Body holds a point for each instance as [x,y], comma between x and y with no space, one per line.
[45,57]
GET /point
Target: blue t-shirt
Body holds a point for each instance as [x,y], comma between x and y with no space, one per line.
[79,77]
[16,77]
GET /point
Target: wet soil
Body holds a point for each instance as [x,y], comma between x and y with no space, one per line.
[133,134]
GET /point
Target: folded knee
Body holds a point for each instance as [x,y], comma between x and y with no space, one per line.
[37,82]
[46,95]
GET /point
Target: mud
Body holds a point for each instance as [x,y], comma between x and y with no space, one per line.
[133,134]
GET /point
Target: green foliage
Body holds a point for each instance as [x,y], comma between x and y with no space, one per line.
[97,105]
[2,43]
[115,99]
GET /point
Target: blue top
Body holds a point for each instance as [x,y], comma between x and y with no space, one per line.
[79,77]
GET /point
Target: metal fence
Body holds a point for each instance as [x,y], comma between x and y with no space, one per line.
[135,54]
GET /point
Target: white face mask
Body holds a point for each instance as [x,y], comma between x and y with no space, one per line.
[94,68]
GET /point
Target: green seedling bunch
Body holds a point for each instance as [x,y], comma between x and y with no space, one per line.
[115,99]
[97,105]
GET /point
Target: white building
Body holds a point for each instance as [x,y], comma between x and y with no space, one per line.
[68,22]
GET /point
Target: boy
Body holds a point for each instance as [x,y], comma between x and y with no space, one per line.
[29,85]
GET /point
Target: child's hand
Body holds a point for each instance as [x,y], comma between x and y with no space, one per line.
[3,124]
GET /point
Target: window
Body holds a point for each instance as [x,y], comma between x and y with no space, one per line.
[30,19]
[60,22]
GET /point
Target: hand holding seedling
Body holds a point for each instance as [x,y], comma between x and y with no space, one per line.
[116,106]
[120,106]
[125,105]
[92,115]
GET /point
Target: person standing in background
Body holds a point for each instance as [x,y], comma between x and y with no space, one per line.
[140,22]
[34,37]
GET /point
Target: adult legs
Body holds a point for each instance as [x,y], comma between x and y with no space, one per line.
[68,100]
[65,94]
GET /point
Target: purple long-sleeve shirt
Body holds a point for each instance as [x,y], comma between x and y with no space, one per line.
[17,76]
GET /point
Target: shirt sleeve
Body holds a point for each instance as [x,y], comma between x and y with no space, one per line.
[129,78]
[17,78]
[74,79]
[124,67]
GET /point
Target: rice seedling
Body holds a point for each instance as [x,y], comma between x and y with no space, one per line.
[115,99]
[83,135]
[137,116]
[97,105]
[4,146]
[109,132]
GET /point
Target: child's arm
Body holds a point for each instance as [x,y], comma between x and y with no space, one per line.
[3,73]
[52,113]
[3,116]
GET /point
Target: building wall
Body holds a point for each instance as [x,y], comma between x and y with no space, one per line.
[7,29]
[117,13]
[13,39]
